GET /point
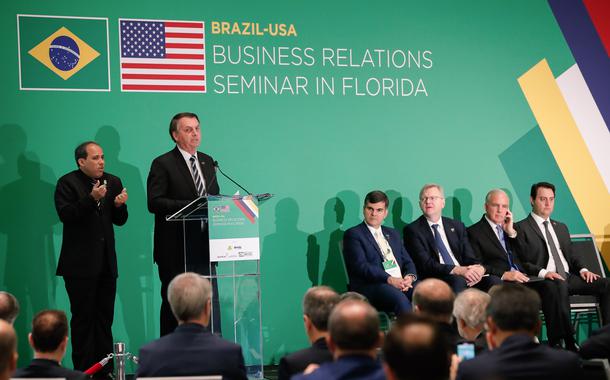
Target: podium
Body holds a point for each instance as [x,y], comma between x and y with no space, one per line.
[228,225]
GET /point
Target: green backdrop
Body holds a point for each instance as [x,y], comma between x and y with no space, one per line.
[319,154]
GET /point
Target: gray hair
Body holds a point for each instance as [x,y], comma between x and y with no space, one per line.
[188,294]
[493,192]
[471,307]
[318,302]
[429,186]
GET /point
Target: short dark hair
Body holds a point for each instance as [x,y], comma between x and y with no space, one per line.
[377,196]
[173,124]
[536,186]
[354,325]
[81,150]
[318,303]
[9,307]
[416,349]
[49,328]
[514,307]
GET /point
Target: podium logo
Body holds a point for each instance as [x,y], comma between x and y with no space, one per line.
[64,53]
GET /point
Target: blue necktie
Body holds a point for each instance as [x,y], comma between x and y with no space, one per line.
[508,252]
[441,246]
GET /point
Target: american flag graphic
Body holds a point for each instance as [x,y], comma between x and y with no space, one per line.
[162,56]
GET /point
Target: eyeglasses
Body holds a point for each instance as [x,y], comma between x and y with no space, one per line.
[431,199]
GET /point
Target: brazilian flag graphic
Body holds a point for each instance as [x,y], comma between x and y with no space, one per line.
[63,53]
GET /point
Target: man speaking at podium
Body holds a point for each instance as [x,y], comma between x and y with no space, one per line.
[177,178]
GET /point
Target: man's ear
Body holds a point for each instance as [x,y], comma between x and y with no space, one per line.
[331,344]
[30,340]
[81,162]
[307,322]
[532,201]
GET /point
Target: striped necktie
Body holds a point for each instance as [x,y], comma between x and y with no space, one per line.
[196,176]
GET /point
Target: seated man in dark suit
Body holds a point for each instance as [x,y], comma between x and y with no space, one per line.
[512,325]
[415,349]
[494,240]
[191,350]
[49,339]
[377,263]
[433,299]
[318,302]
[545,248]
[354,340]
[469,310]
[8,350]
[440,245]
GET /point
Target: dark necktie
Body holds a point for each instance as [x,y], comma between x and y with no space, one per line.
[441,246]
[196,176]
[509,254]
[549,239]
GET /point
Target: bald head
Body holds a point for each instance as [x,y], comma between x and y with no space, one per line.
[9,307]
[8,349]
[354,326]
[416,349]
[434,298]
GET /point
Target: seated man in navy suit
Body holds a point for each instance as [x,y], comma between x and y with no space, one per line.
[318,303]
[377,263]
[512,324]
[191,350]
[440,246]
[354,338]
[49,339]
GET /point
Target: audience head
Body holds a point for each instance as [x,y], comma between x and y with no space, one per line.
[434,298]
[496,205]
[469,310]
[318,302]
[375,208]
[353,296]
[8,349]
[513,308]
[415,349]
[9,307]
[432,201]
[189,297]
[354,328]
[49,332]
[542,199]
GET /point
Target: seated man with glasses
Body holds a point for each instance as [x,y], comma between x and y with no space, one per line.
[440,246]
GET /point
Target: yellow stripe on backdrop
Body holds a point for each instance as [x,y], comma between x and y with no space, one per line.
[570,151]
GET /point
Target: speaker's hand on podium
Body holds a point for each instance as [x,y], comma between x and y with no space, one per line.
[120,199]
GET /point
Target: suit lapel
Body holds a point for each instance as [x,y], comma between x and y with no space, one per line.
[185,171]
[369,237]
[534,226]
[491,235]
[427,231]
[451,238]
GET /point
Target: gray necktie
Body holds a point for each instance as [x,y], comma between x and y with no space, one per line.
[558,264]
[196,176]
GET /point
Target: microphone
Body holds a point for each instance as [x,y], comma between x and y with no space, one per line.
[214,179]
[229,178]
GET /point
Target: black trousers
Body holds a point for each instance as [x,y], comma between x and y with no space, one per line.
[599,288]
[92,308]
[556,309]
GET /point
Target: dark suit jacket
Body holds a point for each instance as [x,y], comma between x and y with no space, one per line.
[170,187]
[533,251]
[363,258]
[42,368]
[489,251]
[519,357]
[87,247]
[191,350]
[419,241]
[352,367]
[296,362]
[598,344]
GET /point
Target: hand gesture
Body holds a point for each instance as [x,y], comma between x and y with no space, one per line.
[99,191]
[120,199]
